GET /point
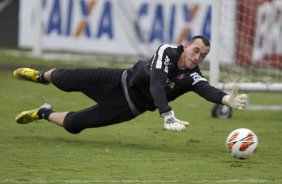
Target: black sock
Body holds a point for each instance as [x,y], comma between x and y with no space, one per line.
[44,113]
[42,79]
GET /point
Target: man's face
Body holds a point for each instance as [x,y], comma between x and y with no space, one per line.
[195,53]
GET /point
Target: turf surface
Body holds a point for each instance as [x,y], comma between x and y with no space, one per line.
[138,151]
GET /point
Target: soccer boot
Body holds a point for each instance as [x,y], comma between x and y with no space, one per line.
[29,75]
[31,115]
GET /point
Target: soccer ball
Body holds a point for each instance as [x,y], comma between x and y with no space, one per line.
[242,143]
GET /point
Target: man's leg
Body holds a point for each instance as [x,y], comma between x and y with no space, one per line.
[95,116]
[47,75]
[58,118]
[32,75]
[81,80]
[44,111]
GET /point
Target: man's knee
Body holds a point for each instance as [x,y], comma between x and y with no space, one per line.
[63,79]
[71,124]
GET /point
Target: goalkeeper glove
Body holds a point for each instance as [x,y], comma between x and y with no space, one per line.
[171,123]
[234,100]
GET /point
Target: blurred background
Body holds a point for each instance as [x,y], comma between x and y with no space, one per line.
[101,27]
[248,31]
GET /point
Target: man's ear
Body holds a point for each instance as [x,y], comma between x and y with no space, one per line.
[185,45]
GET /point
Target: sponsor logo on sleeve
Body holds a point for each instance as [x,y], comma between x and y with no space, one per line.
[197,78]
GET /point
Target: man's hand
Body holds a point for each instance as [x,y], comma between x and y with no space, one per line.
[171,123]
[234,100]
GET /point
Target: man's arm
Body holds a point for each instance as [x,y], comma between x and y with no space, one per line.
[158,76]
[157,85]
[208,92]
[218,96]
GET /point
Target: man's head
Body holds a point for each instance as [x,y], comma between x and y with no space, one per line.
[195,51]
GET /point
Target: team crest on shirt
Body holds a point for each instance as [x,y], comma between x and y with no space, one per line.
[180,77]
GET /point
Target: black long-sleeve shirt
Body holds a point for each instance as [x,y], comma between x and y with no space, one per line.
[154,83]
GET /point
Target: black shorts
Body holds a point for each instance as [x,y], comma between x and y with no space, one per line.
[101,85]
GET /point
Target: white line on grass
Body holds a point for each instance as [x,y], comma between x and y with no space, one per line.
[26,181]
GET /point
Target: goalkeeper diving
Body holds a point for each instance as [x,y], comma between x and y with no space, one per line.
[120,95]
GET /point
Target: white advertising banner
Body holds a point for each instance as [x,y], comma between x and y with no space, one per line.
[114,26]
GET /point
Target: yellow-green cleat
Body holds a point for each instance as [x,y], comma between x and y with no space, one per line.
[28,74]
[30,115]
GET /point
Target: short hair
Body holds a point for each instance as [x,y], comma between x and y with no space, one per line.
[204,40]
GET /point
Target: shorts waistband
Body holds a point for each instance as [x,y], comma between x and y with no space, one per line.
[131,105]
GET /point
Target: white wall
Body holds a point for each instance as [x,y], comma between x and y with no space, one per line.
[115,26]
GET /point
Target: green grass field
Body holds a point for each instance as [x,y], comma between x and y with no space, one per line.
[139,151]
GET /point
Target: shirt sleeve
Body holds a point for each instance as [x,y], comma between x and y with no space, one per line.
[158,76]
[210,93]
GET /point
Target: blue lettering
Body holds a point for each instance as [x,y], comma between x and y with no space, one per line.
[105,26]
[142,11]
[158,25]
[207,24]
[171,23]
[187,18]
[85,13]
[69,16]
[55,20]
[186,13]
